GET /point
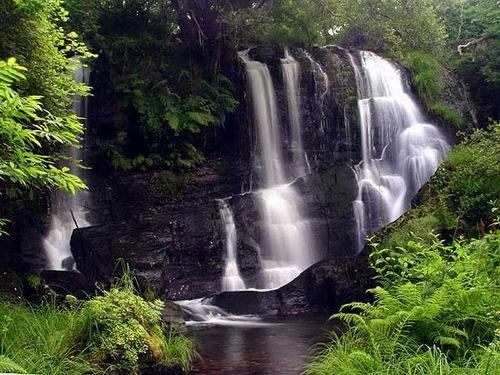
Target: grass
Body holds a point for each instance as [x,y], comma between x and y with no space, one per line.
[448,114]
[42,340]
[426,78]
[425,73]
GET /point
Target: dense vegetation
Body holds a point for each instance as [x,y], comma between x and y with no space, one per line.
[437,272]
[116,331]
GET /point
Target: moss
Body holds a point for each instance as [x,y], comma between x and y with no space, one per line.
[173,185]
[426,76]
[417,227]
[448,114]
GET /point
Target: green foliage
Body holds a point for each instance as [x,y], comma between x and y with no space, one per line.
[172,184]
[116,332]
[474,25]
[31,31]
[168,94]
[126,332]
[285,23]
[461,198]
[469,183]
[418,227]
[425,72]
[26,131]
[448,114]
[43,340]
[436,313]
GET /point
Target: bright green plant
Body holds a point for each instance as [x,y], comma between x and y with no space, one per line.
[32,32]
[126,332]
[425,71]
[26,130]
[43,340]
[448,114]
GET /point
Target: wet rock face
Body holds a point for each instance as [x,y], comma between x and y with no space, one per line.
[324,287]
[171,235]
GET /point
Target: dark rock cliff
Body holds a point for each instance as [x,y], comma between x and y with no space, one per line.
[174,242]
[167,226]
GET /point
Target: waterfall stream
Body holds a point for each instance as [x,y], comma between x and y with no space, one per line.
[291,79]
[286,247]
[400,152]
[232,279]
[68,208]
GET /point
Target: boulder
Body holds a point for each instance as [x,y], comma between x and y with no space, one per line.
[322,288]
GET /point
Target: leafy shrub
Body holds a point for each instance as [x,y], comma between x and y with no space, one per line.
[27,132]
[126,332]
[32,32]
[117,331]
[426,78]
[421,228]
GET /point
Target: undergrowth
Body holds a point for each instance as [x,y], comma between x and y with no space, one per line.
[426,78]
[115,332]
[436,311]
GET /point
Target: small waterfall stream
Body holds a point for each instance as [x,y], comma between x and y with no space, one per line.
[68,208]
[232,279]
[400,151]
[291,78]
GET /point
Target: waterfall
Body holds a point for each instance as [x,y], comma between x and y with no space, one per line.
[232,279]
[291,79]
[68,209]
[400,151]
[286,246]
[321,88]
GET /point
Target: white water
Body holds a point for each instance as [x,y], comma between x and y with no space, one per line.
[286,247]
[321,88]
[291,79]
[57,241]
[400,151]
[201,312]
[232,279]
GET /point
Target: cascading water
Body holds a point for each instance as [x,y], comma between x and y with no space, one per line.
[232,279]
[68,209]
[291,78]
[286,247]
[321,88]
[400,152]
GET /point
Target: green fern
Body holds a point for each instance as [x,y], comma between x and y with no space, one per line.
[8,365]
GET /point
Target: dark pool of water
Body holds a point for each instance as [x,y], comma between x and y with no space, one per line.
[279,347]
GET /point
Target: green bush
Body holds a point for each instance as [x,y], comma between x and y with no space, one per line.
[426,78]
[421,228]
[425,72]
[126,332]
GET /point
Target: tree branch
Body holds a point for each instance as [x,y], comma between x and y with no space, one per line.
[471,43]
